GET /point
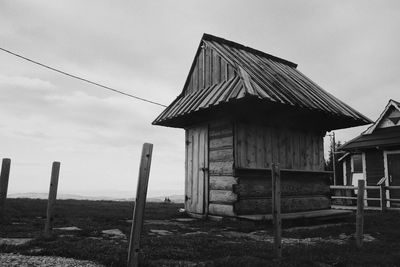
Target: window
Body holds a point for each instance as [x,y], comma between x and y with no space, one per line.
[356,169]
[357,163]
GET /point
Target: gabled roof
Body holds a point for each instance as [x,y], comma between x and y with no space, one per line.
[375,136]
[257,75]
[392,104]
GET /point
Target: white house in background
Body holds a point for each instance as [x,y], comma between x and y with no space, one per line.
[376,154]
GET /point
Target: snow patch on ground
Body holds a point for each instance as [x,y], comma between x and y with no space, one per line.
[14,241]
[114,233]
[161,232]
[68,228]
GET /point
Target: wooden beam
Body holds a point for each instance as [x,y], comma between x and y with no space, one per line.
[140,202]
[221,209]
[295,172]
[221,168]
[276,210]
[290,186]
[223,142]
[360,214]
[221,154]
[328,213]
[222,182]
[4,177]
[288,204]
[55,171]
[225,196]
[383,197]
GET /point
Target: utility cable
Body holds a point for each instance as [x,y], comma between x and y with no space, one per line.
[82,79]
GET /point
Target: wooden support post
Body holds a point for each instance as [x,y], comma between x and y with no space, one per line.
[276,210]
[140,202]
[4,176]
[360,214]
[55,171]
[334,158]
[383,197]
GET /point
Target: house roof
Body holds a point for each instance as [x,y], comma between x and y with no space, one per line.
[392,104]
[375,136]
[257,75]
[384,137]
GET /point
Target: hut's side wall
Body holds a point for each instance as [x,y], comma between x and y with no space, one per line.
[221,179]
[304,184]
[209,69]
[258,146]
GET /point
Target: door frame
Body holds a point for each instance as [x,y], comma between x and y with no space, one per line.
[386,167]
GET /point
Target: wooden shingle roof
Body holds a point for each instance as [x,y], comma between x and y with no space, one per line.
[256,75]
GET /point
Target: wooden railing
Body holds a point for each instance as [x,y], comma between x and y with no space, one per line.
[347,197]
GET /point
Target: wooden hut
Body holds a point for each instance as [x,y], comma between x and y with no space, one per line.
[242,110]
[375,154]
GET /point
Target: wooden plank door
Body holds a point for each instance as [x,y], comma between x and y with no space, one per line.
[196,170]
[394,176]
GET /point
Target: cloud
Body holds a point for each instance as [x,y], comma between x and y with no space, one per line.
[32,134]
[74,116]
[25,82]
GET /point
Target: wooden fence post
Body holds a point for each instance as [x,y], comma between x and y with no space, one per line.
[383,197]
[140,202]
[276,209]
[55,171]
[4,176]
[360,214]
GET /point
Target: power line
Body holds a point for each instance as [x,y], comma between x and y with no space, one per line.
[81,79]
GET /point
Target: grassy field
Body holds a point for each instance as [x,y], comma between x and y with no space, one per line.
[195,243]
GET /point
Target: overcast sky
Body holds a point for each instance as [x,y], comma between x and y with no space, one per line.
[350,48]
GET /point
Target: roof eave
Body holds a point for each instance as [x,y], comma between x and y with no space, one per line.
[341,121]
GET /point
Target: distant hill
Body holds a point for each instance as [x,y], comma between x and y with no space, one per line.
[173,198]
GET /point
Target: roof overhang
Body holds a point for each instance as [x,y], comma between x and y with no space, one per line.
[381,138]
[253,109]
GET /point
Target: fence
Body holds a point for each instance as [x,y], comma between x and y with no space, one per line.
[345,197]
[138,212]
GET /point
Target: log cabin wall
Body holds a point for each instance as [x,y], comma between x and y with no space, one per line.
[221,179]
[208,70]
[305,185]
[300,191]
